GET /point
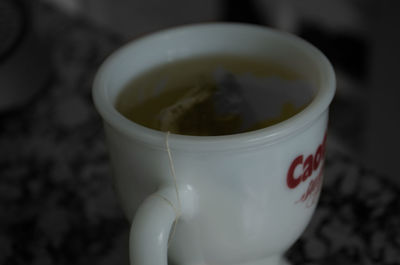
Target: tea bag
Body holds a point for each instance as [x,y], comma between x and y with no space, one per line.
[170,117]
[207,108]
[229,98]
[234,104]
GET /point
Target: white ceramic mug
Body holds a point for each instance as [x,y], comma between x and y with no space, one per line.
[241,198]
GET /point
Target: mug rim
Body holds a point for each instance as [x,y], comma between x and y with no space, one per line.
[318,105]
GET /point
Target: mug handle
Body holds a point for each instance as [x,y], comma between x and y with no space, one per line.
[152,224]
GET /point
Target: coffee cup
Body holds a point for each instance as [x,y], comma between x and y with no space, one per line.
[241,198]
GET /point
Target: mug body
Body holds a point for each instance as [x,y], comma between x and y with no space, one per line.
[255,192]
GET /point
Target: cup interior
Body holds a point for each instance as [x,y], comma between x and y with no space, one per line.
[289,51]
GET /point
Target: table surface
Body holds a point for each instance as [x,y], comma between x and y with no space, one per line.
[56,198]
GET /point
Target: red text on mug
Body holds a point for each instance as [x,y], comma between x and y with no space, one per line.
[303,167]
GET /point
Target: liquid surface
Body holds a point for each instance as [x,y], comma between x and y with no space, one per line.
[208,96]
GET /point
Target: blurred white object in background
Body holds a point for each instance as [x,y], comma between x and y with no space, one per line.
[331,14]
[131,18]
[69,6]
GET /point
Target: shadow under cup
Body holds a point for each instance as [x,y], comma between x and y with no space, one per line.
[236,204]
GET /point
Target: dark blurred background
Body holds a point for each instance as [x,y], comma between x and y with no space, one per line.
[57,205]
[360,37]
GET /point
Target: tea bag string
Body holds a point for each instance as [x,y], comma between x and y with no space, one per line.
[177,214]
[173,173]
